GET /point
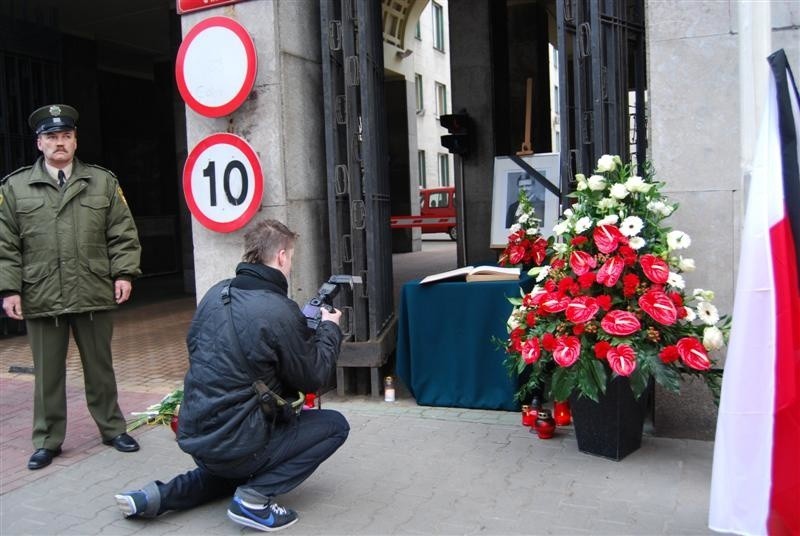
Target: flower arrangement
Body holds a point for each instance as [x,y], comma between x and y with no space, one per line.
[611,300]
[525,246]
[161,413]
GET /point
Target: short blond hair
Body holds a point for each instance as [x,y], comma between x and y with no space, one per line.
[263,242]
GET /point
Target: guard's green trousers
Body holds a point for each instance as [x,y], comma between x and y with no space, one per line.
[49,338]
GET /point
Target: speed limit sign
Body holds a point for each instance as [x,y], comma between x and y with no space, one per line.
[223,182]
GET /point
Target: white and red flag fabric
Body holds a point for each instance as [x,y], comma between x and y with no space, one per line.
[755,485]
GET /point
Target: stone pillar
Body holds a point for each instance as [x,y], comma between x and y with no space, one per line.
[283,121]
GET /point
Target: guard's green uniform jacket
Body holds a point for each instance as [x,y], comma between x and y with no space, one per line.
[62,250]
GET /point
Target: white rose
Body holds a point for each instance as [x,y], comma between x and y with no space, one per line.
[532,231]
[561,228]
[514,228]
[611,219]
[655,206]
[666,210]
[606,163]
[513,322]
[678,240]
[568,212]
[583,224]
[636,184]
[713,338]
[582,186]
[686,265]
[675,280]
[637,242]
[597,183]
[607,203]
[631,226]
[618,191]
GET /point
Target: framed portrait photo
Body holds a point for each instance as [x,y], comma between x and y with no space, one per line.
[509,178]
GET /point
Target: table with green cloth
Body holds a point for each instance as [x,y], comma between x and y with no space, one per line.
[446,354]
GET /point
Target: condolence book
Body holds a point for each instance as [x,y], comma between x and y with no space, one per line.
[475,273]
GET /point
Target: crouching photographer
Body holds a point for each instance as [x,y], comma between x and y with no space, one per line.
[251,358]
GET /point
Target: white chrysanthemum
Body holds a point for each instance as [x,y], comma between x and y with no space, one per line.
[690,315]
[560,247]
[631,226]
[618,191]
[561,227]
[678,240]
[597,183]
[606,163]
[703,295]
[514,228]
[707,312]
[611,219]
[532,230]
[583,224]
[523,218]
[676,280]
[686,265]
[713,338]
[607,203]
[636,242]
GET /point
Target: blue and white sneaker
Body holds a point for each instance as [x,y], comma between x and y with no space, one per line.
[267,517]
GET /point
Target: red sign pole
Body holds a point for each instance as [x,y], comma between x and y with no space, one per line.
[187,6]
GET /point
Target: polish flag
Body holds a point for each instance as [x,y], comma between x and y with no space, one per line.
[755,485]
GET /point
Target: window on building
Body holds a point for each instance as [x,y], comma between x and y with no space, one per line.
[444,169]
[420,94]
[438,27]
[441,99]
[421,164]
[418,32]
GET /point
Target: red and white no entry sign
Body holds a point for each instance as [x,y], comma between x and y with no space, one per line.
[223,182]
[216,66]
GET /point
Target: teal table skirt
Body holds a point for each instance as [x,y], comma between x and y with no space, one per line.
[445,352]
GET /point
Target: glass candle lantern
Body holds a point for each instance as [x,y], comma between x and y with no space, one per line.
[545,424]
[561,413]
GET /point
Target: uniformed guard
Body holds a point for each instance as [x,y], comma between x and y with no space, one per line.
[76,262]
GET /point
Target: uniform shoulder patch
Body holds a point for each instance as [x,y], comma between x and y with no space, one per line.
[101,168]
[7,177]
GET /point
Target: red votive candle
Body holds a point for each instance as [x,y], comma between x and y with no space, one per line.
[545,424]
[528,418]
[561,413]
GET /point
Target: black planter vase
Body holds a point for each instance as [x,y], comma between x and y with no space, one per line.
[611,428]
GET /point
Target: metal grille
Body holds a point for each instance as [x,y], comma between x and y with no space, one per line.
[355,139]
[602,76]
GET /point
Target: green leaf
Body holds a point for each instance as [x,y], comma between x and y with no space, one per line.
[563,382]
[638,380]
[587,383]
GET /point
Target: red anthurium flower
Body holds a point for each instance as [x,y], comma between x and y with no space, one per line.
[581,262]
[604,301]
[567,350]
[620,323]
[601,349]
[548,341]
[669,354]
[582,309]
[607,238]
[609,273]
[693,354]
[622,359]
[554,303]
[660,308]
[655,268]
[516,253]
[533,298]
[531,351]
[539,250]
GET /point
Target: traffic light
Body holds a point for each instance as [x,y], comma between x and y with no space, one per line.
[458,141]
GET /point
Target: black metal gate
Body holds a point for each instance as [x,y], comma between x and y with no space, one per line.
[357,173]
[602,75]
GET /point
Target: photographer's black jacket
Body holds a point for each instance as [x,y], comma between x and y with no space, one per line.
[220,418]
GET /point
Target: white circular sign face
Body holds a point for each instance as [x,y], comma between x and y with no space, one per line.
[216,66]
[222,182]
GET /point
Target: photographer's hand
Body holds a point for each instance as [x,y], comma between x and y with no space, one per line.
[334,316]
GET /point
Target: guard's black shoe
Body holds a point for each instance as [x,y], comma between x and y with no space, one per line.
[42,458]
[123,443]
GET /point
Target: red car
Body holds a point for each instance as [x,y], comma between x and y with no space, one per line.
[437,213]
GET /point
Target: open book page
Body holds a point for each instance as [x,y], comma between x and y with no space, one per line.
[475,273]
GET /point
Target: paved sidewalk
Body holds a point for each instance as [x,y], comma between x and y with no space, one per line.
[405,469]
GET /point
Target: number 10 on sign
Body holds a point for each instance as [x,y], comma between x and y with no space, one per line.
[223,182]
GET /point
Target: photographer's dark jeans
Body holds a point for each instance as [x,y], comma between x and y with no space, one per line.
[292,454]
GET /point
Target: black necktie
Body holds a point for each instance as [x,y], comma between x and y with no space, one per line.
[61,178]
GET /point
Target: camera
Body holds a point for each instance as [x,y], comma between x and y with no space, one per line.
[324,298]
